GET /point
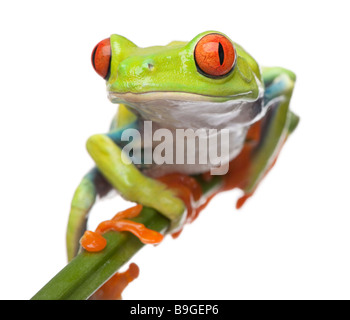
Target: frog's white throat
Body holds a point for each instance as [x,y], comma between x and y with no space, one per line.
[188,110]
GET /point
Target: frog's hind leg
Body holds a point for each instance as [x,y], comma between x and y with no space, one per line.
[269,134]
[93,185]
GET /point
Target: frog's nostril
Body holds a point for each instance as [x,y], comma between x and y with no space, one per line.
[101,58]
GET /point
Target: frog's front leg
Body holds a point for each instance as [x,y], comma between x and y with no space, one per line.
[130,182]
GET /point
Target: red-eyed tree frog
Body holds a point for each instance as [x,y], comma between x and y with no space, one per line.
[208,83]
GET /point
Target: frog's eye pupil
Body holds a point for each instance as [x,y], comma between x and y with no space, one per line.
[101,58]
[214,55]
[221,54]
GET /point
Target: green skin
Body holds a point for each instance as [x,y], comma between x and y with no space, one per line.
[175,71]
[170,72]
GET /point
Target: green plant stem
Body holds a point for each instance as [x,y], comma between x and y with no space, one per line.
[88,271]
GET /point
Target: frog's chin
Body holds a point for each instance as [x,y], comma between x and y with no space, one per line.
[189,110]
[124,97]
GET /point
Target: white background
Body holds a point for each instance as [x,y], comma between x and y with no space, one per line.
[290,241]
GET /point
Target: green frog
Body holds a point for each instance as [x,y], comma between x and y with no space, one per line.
[209,84]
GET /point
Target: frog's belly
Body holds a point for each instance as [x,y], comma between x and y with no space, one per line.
[190,151]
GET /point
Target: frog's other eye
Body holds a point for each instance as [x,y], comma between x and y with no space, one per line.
[215,55]
[101,58]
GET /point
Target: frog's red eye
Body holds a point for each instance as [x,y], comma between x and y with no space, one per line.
[214,55]
[101,58]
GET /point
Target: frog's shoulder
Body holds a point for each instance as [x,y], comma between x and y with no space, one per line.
[271,73]
[123,118]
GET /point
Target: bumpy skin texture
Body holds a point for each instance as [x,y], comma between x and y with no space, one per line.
[163,84]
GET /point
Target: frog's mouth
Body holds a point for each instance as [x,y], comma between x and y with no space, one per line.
[190,110]
[116,97]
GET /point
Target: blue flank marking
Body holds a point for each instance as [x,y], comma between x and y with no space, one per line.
[116,135]
[274,90]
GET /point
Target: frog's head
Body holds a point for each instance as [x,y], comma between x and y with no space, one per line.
[206,82]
